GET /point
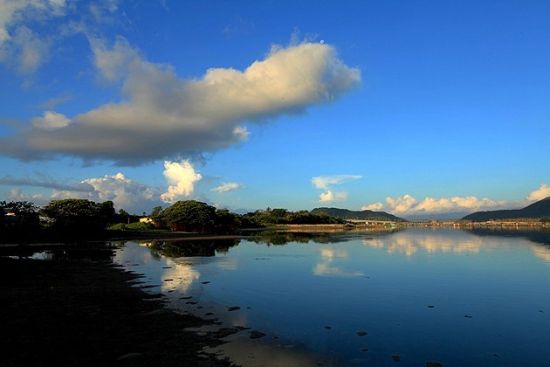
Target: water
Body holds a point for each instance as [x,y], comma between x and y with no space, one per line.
[455,297]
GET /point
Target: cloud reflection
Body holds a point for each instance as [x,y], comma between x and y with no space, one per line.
[326,267]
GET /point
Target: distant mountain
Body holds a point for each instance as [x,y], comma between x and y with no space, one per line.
[538,210]
[351,214]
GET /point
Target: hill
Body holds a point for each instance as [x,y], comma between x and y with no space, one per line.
[538,210]
[356,214]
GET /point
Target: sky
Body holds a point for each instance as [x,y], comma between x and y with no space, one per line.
[412,107]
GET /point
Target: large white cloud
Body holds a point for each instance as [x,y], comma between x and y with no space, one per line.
[161,115]
[181,177]
[542,192]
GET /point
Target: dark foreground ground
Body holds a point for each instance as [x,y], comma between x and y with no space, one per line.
[86,314]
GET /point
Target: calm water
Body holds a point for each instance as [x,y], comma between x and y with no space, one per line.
[451,296]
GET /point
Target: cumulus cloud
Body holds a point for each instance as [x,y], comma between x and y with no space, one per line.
[326,182]
[374,207]
[50,120]
[227,186]
[331,197]
[541,193]
[408,204]
[161,115]
[15,194]
[181,177]
[122,191]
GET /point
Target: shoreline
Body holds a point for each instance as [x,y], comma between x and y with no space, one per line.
[92,312]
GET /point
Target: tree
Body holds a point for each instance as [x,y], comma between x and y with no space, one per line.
[190,215]
[79,215]
[19,215]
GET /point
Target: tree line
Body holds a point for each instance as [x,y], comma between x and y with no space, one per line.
[70,218]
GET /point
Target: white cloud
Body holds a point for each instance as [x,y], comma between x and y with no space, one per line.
[331,197]
[161,115]
[50,120]
[324,182]
[181,177]
[541,193]
[122,191]
[15,194]
[407,204]
[227,186]
[373,206]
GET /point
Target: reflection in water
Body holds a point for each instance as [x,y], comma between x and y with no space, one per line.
[424,298]
[451,241]
[174,248]
[326,268]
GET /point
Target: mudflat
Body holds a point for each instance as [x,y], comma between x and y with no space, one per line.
[87,313]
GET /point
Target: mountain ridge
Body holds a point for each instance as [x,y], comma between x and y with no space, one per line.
[356,214]
[537,210]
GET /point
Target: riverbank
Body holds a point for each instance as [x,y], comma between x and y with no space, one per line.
[87,313]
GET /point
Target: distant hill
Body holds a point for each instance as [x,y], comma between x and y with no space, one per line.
[351,214]
[538,210]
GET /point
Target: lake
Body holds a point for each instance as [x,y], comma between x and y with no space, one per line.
[418,297]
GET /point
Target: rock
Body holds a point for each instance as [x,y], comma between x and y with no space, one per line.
[431,306]
[186,297]
[233,308]
[433,364]
[128,356]
[254,334]
[206,282]
[191,303]
[468,316]
[209,314]
[168,279]
[328,327]
[361,333]
[365,350]
[396,358]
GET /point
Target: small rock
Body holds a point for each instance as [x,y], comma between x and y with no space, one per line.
[191,303]
[205,282]
[433,364]
[233,308]
[431,306]
[361,333]
[365,350]
[468,316]
[167,267]
[328,327]
[226,331]
[396,358]
[254,334]
[186,297]
[209,314]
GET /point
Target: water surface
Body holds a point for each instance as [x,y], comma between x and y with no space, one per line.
[403,298]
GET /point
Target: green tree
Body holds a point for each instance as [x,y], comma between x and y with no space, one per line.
[79,215]
[190,215]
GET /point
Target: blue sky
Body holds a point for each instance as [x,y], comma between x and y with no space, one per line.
[443,100]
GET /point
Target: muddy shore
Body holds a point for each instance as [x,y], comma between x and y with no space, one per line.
[87,313]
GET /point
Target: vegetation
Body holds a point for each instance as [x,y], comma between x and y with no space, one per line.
[538,210]
[351,214]
[79,215]
[269,216]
